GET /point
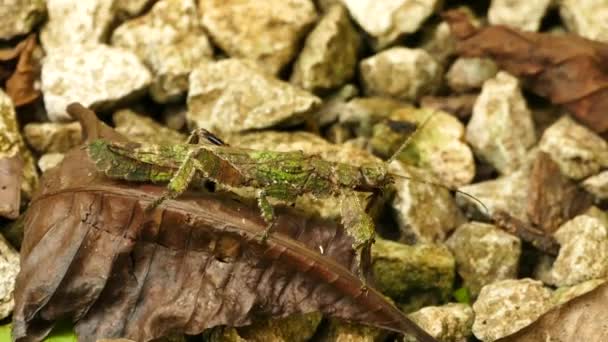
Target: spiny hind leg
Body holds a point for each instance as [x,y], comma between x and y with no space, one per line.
[203,136]
[180,181]
[359,225]
[267,212]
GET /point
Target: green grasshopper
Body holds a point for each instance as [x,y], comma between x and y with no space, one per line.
[280,175]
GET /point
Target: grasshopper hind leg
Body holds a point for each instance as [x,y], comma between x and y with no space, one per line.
[179,183]
[203,136]
[267,212]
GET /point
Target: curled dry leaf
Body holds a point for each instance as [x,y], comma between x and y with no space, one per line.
[581,319]
[566,69]
[92,254]
[20,85]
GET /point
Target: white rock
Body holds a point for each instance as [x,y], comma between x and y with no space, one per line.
[567,293]
[520,14]
[268,31]
[170,41]
[470,73]
[447,323]
[577,150]
[400,72]
[94,75]
[587,18]
[233,95]
[584,251]
[18,17]
[387,20]
[501,129]
[507,306]
[484,254]
[49,160]
[9,267]
[424,210]
[131,8]
[74,22]
[597,185]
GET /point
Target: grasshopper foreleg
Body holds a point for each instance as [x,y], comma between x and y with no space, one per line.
[267,212]
[179,182]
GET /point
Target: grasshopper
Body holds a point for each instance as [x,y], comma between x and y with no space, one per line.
[280,175]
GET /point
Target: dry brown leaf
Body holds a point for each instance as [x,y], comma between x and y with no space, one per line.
[581,319]
[566,69]
[21,84]
[92,254]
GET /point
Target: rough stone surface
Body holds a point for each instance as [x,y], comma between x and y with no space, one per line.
[440,43]
[170,41]
[438,145]
[520,14]
[400,270]
[447,323]
[50,137]
[470,73]
[501,129]
[584,251]
[266,31]
[588,18]
[144,130]
[296,328]
[484,254]
[49,160]
[423,211]
[598,185]
[386,21]
[402,73]
[94,75]
[12,144]
[9,267]
[507,193]
[73,22]
[567,293]
[18,17]
[329,56]
[341,331]
[507,306]
[132,8]
[576,149]
[234,95]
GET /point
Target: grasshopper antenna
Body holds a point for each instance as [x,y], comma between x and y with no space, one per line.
[411,137]
[485,209]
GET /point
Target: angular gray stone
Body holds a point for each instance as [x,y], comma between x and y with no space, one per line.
[9,267]
[586,18]
[234,95]
[567,293]
[170,41]
[143,129]
[387,20]
[470,73]
[447,323]
[584,251]
[400,269]
[12,144]
[97,76]
[329,56]
[422,210]
[402,73]
[49,160]
[577,150]
[18,17]
[484,254]
[50,137]
[520,14]
[597,185]
[268,32]
[501,130]
[507,306]
[438,146]
[72,22]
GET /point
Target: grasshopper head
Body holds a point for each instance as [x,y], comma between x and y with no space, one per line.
[374,176]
